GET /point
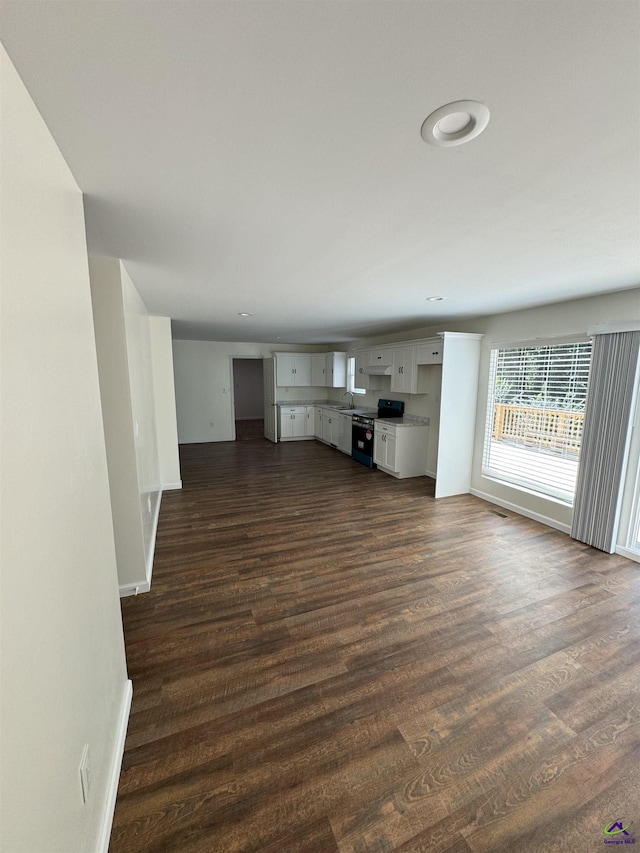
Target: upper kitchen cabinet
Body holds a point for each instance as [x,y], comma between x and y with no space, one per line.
[336,369]
[319,368]
[364,379]
[430,351]
[293,368]
[404,376]
[324,369]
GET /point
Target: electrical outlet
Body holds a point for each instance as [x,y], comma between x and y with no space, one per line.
[85,773]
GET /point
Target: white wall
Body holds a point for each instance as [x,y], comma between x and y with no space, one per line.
[117,413]
[136,319]
[203,377]
[128,380]
[165,402]
[63,677]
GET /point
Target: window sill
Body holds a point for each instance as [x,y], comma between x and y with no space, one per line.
[518,487]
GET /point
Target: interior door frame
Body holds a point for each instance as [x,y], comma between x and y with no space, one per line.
[232,390]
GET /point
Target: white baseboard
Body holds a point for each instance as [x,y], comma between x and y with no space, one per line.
[167,487]
[116,765]
[134,588]
[431,474]
[630,555]
[520,510]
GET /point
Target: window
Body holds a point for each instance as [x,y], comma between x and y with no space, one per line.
[535,413]
[351,377]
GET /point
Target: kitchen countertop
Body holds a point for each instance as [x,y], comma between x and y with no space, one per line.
[405,421]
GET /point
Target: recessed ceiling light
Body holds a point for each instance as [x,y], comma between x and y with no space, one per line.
[455,123]
[436,298]
[244,314]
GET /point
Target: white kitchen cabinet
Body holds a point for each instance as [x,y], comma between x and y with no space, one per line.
[293,369]
[404,377]
[331,426]
[336,369]
[364,359]
[430,352]
[329,369]
[293,422]
[400,450]
[319,369]
[311,422]
[384,447]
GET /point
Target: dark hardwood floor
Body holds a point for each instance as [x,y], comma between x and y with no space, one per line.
[330,660]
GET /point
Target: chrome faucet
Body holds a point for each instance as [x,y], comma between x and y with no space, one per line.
[351,404]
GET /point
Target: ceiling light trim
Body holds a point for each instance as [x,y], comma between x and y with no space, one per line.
[478,120]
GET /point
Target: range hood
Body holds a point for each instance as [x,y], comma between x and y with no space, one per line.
[377,370]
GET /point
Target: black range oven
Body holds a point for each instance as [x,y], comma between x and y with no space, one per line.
[362,429]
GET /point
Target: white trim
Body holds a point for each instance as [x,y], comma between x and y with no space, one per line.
[134,588]
[431,474]
[152,542]
[520,510]
[613,328]
[628,553]
[167,487]
[145,585]
[116,765]
[558,341]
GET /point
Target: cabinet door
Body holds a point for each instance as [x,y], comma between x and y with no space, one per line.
[430,352]
[336,429]
[317,429]
[379,456]
[404,376]
[286,424]
[318,369]
[384,447]
[311,421]
[285,369]
[336,369]
[302,369]
[327,423]
[391,444]
[299,424]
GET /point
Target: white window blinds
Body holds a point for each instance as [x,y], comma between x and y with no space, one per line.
[535,416]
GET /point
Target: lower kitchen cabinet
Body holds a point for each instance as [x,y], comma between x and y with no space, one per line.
[400,450]
[336,430]
[293,423]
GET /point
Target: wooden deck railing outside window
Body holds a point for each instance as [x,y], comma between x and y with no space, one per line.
[558,430]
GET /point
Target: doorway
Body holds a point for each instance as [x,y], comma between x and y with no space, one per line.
[248,394]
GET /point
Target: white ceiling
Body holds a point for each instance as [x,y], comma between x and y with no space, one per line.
[266,156]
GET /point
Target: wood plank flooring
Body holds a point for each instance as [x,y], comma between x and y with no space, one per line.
[330,661]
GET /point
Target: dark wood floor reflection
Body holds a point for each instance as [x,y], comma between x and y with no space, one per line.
[329,660]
